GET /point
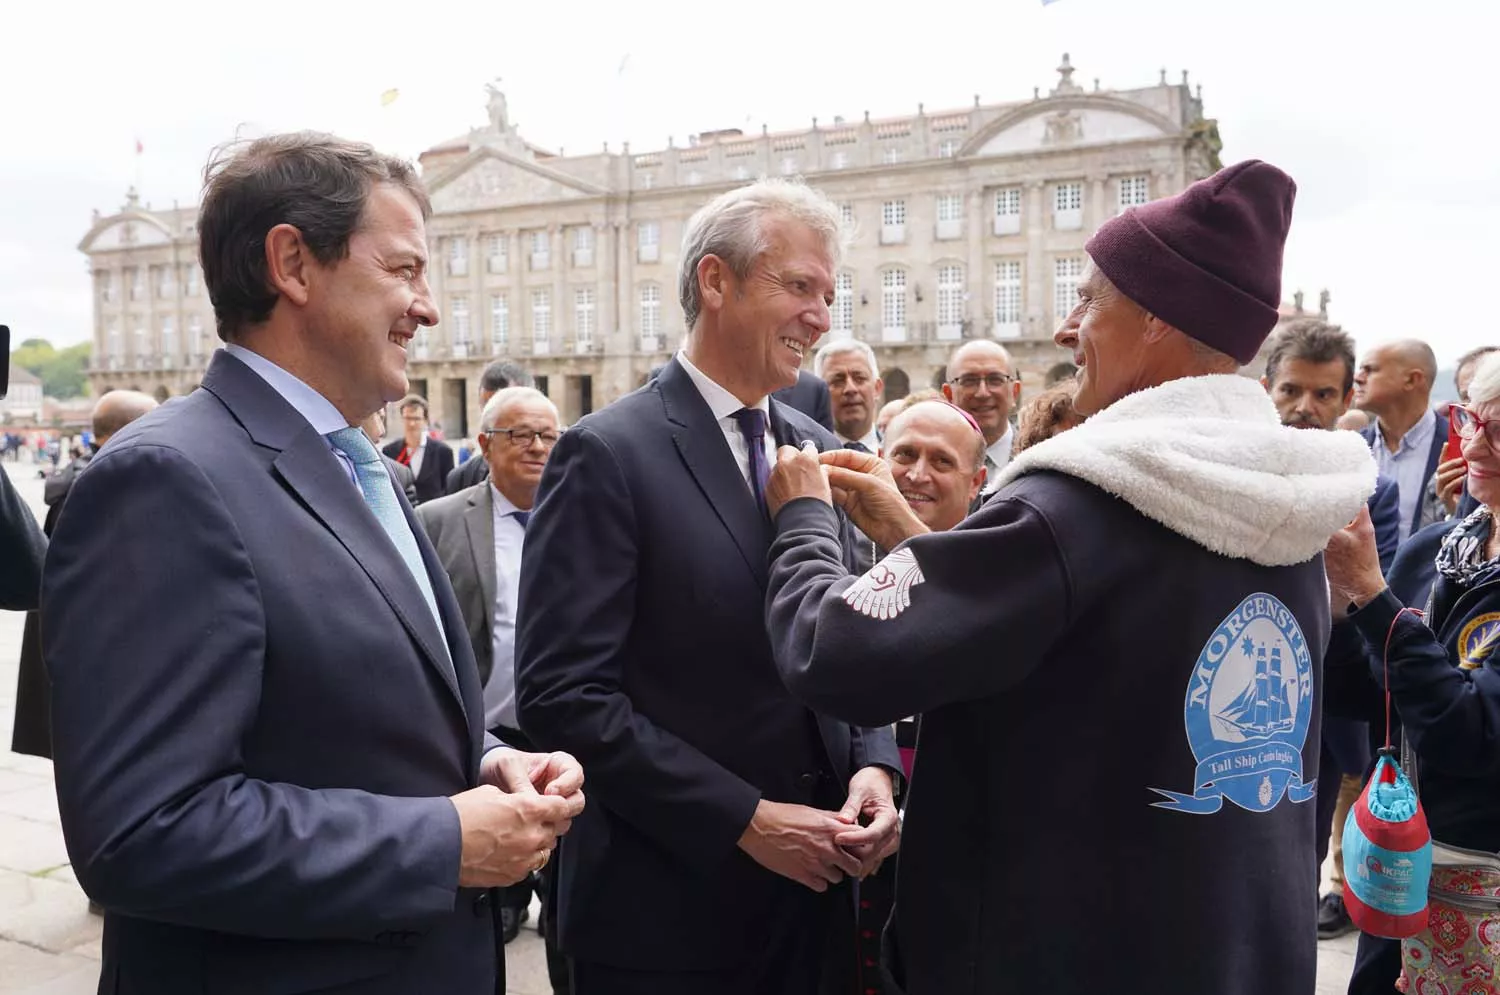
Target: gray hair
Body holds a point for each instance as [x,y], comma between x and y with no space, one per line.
[731,227]
[1485,387]
[507,396]
[845,347]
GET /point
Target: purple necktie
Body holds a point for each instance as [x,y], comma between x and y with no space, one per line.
[753,428]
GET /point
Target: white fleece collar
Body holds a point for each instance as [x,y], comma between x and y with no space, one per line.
[1208,458]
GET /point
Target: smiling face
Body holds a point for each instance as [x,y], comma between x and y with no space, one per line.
[1308,394]
[517,470]
[990,405]
[1484,462]
[932,452]
[1105,331]
[766,322]
[852,391]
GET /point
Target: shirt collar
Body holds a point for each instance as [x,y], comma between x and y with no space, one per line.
[1419,436]
[1000,451]
[722,403]
[871,441]
[503,505]
[317,409]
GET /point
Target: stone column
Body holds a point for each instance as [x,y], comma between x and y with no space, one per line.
[1036,280]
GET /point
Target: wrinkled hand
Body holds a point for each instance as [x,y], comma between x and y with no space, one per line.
[545,773]
[1353,565]
[797,842]
[797,474]
[506,836]
[871,807]
[862,485]
[1449,480]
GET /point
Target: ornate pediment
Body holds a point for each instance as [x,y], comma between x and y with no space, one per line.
[1063,123]
[125,232]
[491,179]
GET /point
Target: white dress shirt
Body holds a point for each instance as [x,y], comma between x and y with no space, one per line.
[723,405]
[500,689]
[871,441]
[1407,466]
[996,456]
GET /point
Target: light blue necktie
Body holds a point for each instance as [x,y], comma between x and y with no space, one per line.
[375,485]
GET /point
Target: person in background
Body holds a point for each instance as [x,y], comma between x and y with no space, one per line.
[496,377]
[1445,496]
[429,457]
[982,380]
[887,412]
[809,395]
[1049,413]
[849,369]
[1394,383]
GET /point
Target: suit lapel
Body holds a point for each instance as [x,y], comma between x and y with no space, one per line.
[701,444]
[479,521]
[310,469]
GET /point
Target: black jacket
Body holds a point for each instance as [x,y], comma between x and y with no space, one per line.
[436,463]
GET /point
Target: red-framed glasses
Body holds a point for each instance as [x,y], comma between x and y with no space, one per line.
[1468,425]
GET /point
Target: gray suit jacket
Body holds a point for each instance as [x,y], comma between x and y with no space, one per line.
[462,529]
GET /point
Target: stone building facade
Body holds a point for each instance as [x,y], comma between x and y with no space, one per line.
[967,223]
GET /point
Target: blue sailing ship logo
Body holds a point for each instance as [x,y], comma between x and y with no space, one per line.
[1246,712]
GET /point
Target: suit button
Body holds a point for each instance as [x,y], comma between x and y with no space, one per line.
[807,781]
[482,904]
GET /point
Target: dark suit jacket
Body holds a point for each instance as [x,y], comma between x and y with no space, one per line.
[436,463]
[1434,454]
[256,721]
[642,650]
[462,529]
[404,478]
[21,550]
[808,395]
[468,473]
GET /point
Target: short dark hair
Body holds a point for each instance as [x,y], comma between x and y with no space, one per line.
[501,374]
[1312,341]
[413,401]
[315,182]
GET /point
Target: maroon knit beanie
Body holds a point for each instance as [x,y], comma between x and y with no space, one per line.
[1207,261]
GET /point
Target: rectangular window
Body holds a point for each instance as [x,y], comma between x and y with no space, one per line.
[106,286]
[583,246]
[114,347]
[650,312]
[583,316]
[497,253]
[142,345]
[950,215]
[137,283]
[1008,211]
[541,318]
[195,335]
[891,155]
[458,256]
[459,310]
[648,241]
[190,280]
[168,341]
[950,301]
[1067,206]
[499,324]
[788,166]
[1134,191]
[1008,298]
[541,250]
[846,215]
[893,305]
[948,148]
[843,305]
[1067,271]
[840,160]
[164,285]
[892,222]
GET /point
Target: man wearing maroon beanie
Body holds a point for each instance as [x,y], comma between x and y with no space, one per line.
[1119,739]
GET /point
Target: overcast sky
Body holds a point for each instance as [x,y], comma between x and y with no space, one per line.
[1374,107]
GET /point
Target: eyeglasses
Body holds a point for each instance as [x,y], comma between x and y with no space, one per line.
[522,438]
[1469,425]
[994,381]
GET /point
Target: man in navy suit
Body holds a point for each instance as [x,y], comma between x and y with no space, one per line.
[809,395]
[270,753]
[1394,383]
[725,817]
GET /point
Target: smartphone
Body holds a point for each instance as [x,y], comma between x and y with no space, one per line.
[4,360]
[1454,449]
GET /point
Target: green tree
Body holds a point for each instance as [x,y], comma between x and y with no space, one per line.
[61,371]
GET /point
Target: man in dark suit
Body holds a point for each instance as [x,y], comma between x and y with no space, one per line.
[724,817]
[496,377]
[808,395]
[32,733]
[479,534]
[271,762]
[22,547]
[1394,383]
[430,459]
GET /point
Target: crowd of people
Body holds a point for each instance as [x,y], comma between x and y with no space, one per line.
[968,691]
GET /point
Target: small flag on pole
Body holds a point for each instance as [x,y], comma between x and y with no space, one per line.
[389,97]
[139,148]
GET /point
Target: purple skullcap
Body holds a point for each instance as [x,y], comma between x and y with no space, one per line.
[1208,260]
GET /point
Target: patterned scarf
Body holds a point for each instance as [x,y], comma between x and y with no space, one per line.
[1461,558]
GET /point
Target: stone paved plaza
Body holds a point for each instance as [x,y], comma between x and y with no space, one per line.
[49,944]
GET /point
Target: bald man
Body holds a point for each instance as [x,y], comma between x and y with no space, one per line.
[936,456]
[33,728]
[982,380]
[888,411]
[1394,384]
